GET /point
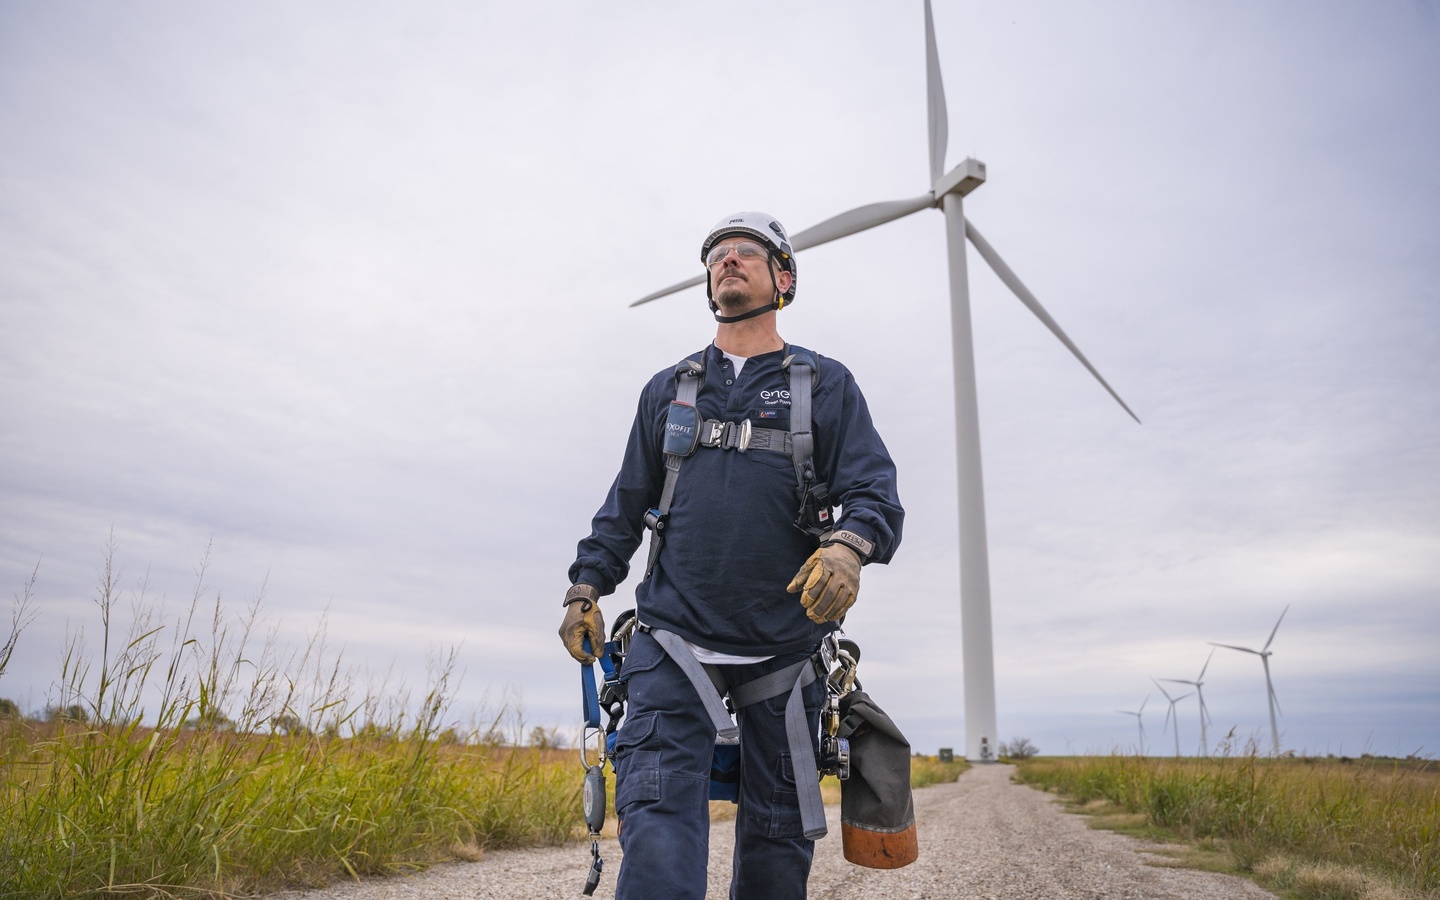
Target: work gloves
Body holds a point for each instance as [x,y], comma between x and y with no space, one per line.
[828,583]
[582,620]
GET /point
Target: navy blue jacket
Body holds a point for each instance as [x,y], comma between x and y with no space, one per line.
[732,545]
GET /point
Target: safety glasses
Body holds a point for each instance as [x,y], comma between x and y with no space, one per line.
[743,249]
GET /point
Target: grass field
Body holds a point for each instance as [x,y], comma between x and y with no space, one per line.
[1316,829]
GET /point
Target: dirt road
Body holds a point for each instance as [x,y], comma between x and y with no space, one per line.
[981,837]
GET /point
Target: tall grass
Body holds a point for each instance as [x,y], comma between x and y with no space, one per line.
[1373,816]
[927,770]
[194,758]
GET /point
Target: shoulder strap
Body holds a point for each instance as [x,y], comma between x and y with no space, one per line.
[799,368]
[815,516]
[688,375]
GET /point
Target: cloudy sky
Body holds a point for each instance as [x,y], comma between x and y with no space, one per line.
[340,290]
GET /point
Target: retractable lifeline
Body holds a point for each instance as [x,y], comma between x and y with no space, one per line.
[593,794]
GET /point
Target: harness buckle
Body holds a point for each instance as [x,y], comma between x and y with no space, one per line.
[657,521]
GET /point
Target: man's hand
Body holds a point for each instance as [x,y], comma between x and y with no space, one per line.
[582,620]
[830,580]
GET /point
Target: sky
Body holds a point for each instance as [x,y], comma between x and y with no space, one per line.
[339,291]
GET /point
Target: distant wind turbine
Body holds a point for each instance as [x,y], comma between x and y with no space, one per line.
[1138,713]
[1264,654]
[947,189]
[1170,713]
[1198,684]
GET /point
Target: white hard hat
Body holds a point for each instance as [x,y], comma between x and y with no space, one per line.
[768,230]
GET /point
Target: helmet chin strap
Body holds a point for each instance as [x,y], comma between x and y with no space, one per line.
[757,311]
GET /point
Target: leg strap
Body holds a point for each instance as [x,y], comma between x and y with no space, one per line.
[709,685]
[797,729]
[674,645]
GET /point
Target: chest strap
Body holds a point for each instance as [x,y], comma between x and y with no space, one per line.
[743,436]
[710,685]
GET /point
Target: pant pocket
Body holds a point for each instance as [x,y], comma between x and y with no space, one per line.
[637,769]
[782,817]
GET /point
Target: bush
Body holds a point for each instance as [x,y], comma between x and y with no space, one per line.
[1018,749]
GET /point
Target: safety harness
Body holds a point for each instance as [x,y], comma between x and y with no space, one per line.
[685,433]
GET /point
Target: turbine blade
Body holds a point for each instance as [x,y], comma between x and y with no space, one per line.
[1162,689]
[674,288]
[1027,298]
[1200,679]
[1233,647]
[1277,626]
[935,101]
[833,228]
[858,219]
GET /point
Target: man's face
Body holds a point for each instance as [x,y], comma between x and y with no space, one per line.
[740,275]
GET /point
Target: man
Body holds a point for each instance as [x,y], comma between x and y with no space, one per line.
[732,548]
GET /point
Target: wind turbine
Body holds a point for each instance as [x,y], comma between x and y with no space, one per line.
[947,191]
[1170,714]
[1264,654]
[1198,684]
[1137,713]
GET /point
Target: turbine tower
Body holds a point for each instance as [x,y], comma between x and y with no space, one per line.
[947,192]
[1170,714]
[1137,713]
[1264,654]
[1198,684]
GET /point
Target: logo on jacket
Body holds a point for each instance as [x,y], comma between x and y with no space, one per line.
[775,397]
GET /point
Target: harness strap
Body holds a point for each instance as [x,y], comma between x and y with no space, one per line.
[709,684]
[801,368]
[688,374]
[797,731]
[725,730]
[743,436]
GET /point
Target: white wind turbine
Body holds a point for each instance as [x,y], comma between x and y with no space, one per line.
[947,190]
[1198,684]
[1170,714]
[1264,654]
[1138,713]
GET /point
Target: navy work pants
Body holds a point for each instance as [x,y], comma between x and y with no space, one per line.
[662,787]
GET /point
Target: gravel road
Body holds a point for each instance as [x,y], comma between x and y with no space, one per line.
[981,837]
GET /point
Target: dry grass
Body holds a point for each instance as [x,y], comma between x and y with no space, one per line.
[1367,830]
[195,759]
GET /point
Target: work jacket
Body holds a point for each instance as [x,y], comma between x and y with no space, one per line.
[732,545]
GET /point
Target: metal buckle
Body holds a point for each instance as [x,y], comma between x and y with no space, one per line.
[714,428]
[744,435]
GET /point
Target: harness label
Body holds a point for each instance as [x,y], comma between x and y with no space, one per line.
[682,429]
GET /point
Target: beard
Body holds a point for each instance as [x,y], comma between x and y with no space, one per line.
[737,296]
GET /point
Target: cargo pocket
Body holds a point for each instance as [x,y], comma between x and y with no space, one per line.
[637,769]
[784,811]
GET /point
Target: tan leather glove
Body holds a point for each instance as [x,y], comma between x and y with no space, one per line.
[582,619]
[830,579]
